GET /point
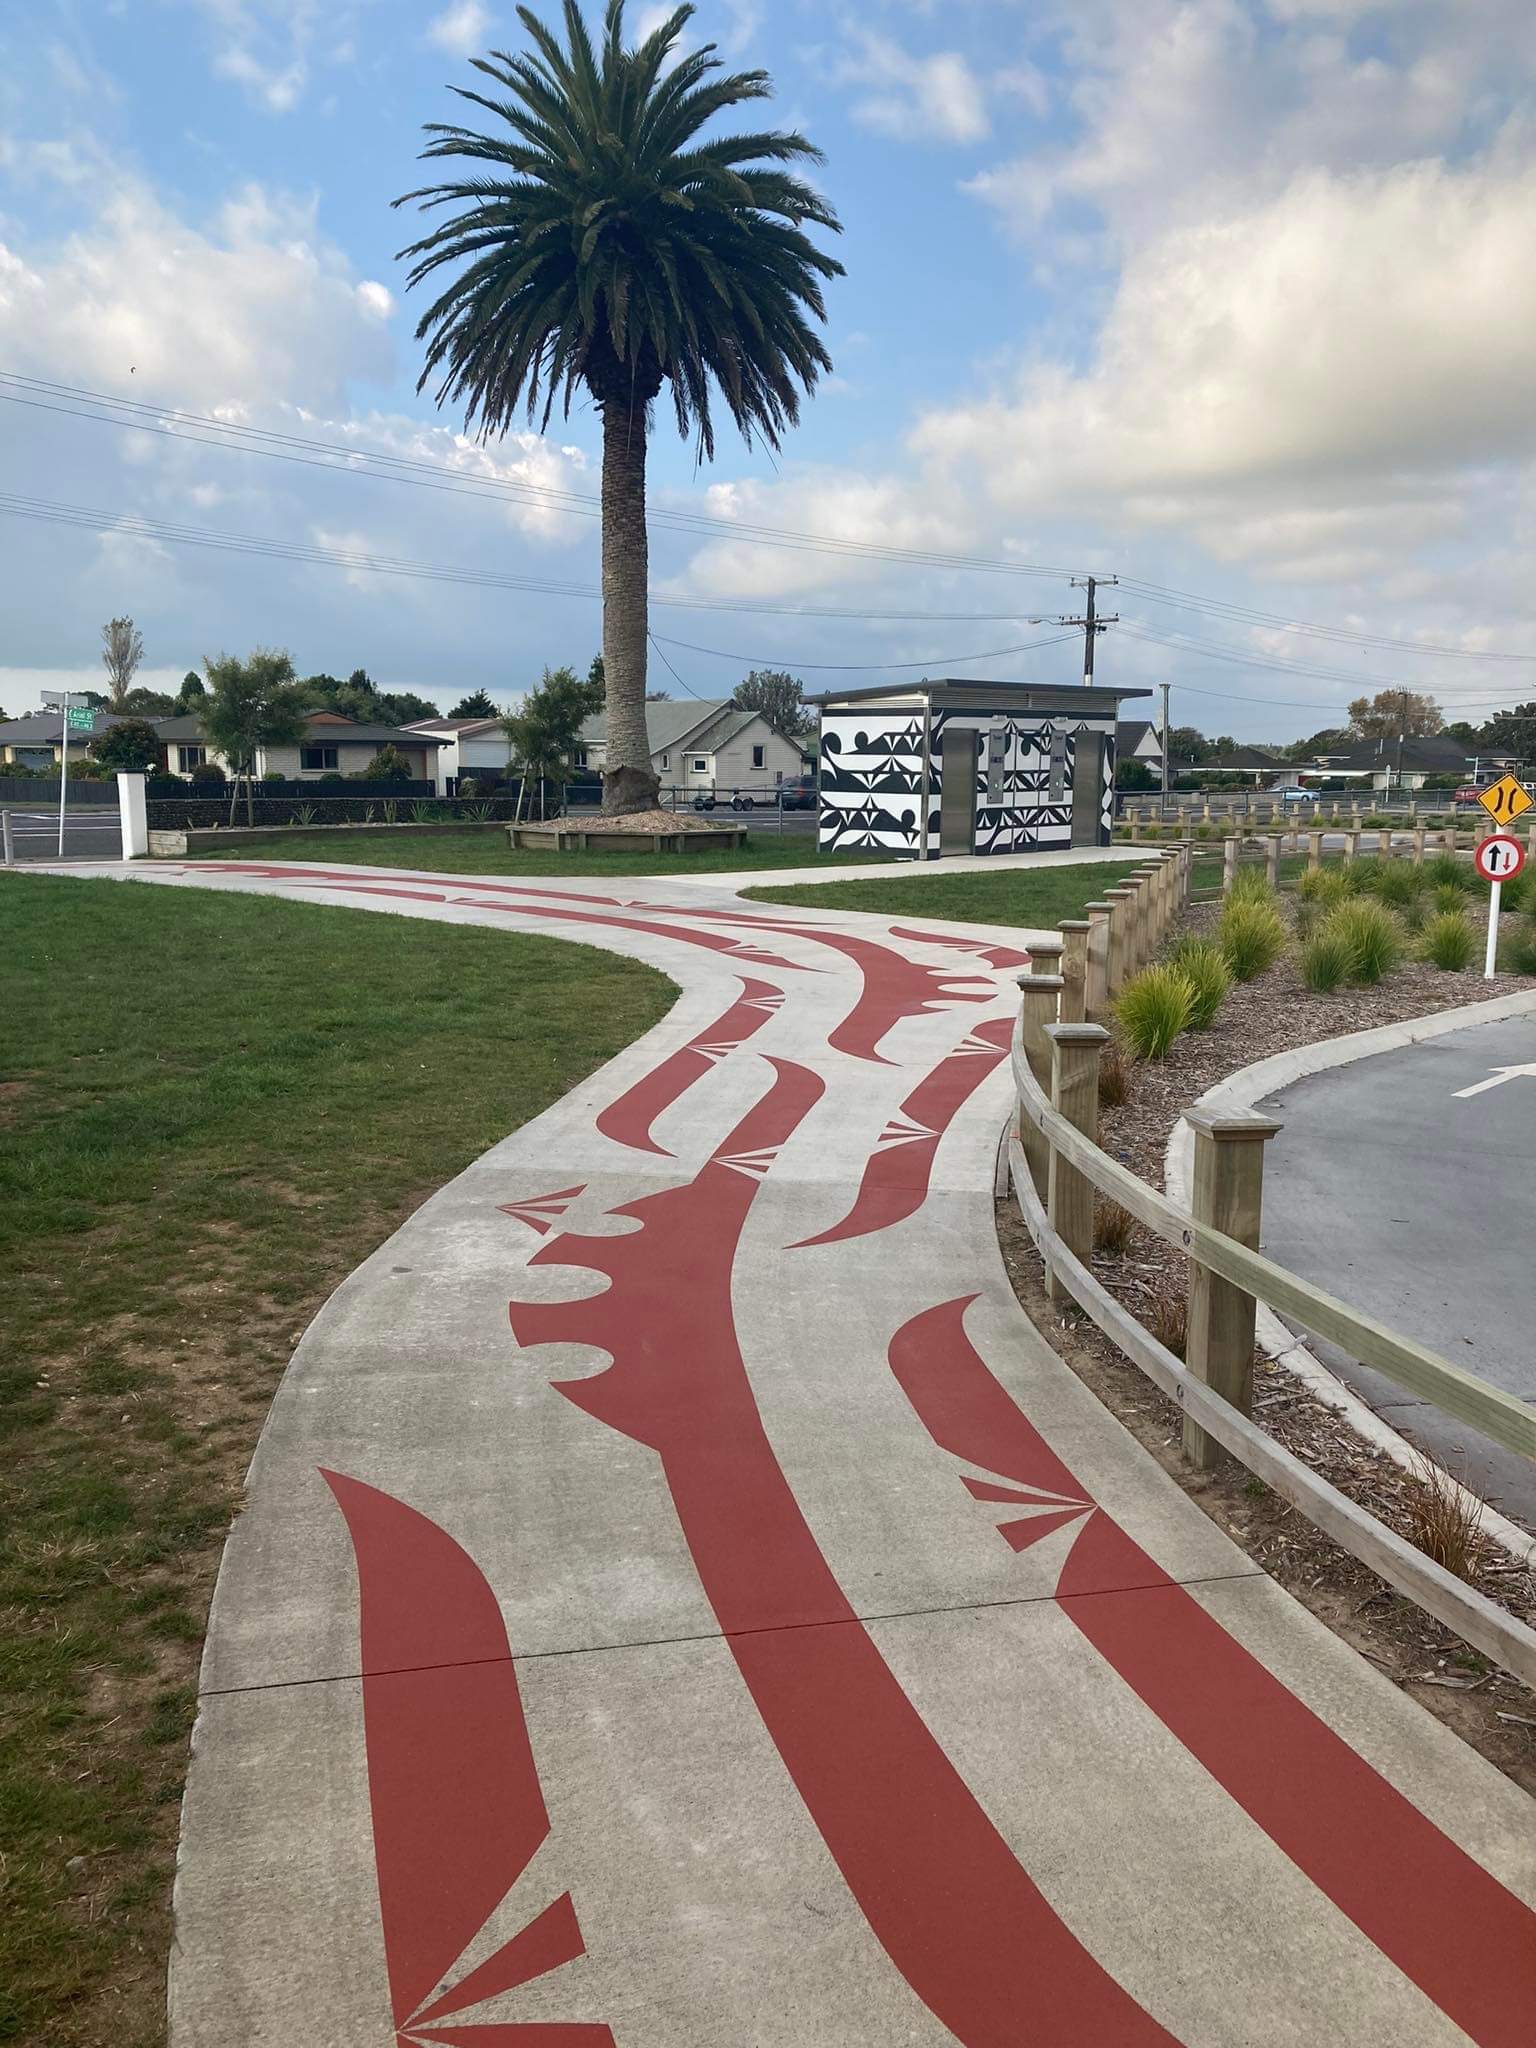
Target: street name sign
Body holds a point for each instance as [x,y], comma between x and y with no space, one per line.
[1499,858]
[80,717]
[1505,800]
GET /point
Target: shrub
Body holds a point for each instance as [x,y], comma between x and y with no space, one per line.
[1398,883]
[1449,941]
[208,775]
[1326,960]
[1251,935]
[1445,871]
[1517,952]
[1250,885]
[1112,1227]
[1372,935]
[274,775]
[1325,886]
[1204,966]
[1153,1008]
[1446,897]
[1114,1077]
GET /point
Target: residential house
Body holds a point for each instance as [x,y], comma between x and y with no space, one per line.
[1259,764]
[1137,739]
[37,742]
[332,745]
[704,747]
[1393,763]
[470,747]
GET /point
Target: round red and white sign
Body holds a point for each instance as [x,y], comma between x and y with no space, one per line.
[1499,858]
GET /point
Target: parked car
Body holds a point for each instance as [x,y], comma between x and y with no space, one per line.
[798,793]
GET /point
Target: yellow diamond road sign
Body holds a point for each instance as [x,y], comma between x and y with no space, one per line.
[1505,800]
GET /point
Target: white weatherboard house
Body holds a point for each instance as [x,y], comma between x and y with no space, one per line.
[332,745]
[705,748]
[469,747]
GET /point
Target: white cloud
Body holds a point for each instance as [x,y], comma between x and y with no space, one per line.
[271,47]
[278,88]
[938,96]
[461,29]
[375,298]
[1358,338]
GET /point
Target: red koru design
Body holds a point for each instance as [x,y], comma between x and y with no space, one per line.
[894,987]
[896,1175]
[539,1212]
[996,956]
[454,1790]
[943,1892]
[628,1120]
[1454,1930]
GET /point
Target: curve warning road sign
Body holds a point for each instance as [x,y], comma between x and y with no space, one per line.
[1505,800]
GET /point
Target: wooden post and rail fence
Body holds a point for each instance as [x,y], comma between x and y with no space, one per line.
[1057,1169]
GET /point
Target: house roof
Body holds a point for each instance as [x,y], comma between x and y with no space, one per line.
[672,722]
[454,728]
[1245,758]
[345,733]
[979,694]
[1435,754]
[1130,732]
[42,729]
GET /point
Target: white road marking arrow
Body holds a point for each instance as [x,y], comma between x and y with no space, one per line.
[1496,1080]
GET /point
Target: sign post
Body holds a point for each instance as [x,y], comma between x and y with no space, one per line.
[1499,857]
[76,715]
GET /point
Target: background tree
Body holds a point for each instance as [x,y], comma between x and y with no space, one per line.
[658,696]
[1332,739]
[122,649]
[130,748]
[145,703]
[1393,713]
[780,698]
[603,244]
[476,705]
[1187,743]
[192,695]
[251,704]
[1509,732]
[544,729]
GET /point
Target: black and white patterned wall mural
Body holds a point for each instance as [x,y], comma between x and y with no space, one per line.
[872,779]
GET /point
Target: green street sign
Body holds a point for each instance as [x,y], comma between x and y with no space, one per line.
[80,717]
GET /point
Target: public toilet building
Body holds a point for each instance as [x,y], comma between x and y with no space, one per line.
[950,767]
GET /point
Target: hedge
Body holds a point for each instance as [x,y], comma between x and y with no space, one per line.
[187,813]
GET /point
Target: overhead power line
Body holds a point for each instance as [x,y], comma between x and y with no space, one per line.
[934,661]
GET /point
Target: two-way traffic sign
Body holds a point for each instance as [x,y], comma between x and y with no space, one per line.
[1499,858]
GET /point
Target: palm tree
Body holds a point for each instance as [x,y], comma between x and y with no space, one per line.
[605,246]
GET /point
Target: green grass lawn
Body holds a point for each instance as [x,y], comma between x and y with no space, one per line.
[1014,896]
[485,850]
[212,1108]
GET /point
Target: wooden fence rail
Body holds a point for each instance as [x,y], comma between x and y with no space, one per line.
[1056,1167]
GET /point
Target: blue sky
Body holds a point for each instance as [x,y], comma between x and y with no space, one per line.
[1230,297]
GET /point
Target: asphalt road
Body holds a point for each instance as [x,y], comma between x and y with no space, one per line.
[87,835]
[1391,1187]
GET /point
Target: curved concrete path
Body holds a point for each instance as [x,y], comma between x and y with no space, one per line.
[683,1601]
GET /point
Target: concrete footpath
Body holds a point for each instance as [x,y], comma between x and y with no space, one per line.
[683,1601]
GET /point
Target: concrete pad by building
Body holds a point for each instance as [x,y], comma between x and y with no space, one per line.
[683,1601]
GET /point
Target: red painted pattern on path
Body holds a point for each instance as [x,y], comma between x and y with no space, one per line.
[896,1175]
[944,1894]
[628,1119]
[1465,1940]
[452,1782]
[996,956]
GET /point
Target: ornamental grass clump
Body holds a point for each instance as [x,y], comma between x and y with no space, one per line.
[1153,1008]
[1251,934]
[1250,885]
[1517,953]
[1373,936]
[1326,960]
[1444,870]
[1449,941]
[1204,966]
[1327,886]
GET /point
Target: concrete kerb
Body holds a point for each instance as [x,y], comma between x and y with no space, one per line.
[1279,1342]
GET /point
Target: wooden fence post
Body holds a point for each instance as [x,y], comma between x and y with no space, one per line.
[1227,1195]
[1228,865]
[1418,846]
[1314,849]
[1074,969]
[1272,860]
[1448,838]
[1135,826]
[1096,987]
[1045,957]
[1351,848]
[1075,1050]
[1120,902]
[1039,995]
[1385,844]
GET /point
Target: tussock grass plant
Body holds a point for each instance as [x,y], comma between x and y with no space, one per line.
[1443,1518]
[1112,1226]
[1250,885]
[1449,941]
[1444,897]
[1152,1009]
[1373,936]
[1114,1076]
[1326,961]
[1168,1319]
[1445,871]
[1204,966]
[1251,934]
[1517,952]
[1325,886]
[1398,884]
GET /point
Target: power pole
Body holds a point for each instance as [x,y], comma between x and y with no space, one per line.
[1163,806]
[1091,624]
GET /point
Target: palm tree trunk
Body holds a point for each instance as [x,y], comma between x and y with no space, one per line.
[629,783]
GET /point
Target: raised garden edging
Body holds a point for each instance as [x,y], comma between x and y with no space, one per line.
[560,837]
[168,845]
[1239,1092]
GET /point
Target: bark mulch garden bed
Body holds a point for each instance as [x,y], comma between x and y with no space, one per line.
[1274,1013]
